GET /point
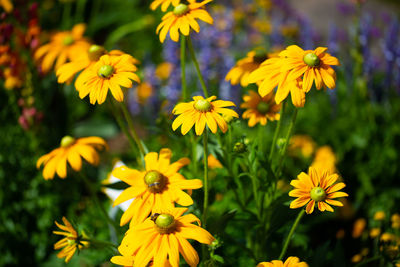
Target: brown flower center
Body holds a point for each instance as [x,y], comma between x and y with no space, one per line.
[263,107]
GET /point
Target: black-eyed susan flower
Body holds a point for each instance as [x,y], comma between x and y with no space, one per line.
[108,73]
[162,237]
[163,3]
[358,227]
[182,19]
[395,221]
[311,65]
[200,112]
[290,262]
[303,144]
[316,188]
[71,242]
[64,46]
[325,159]
[157,187]
[260,109]
[71,150]
[379,215]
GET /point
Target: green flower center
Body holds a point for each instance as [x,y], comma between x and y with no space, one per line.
[311,60]
[202,105]
[68,40]
[155,181]
[317,194]
[263,107]
[95,52]
[181,9]
[105,71]
[165,223]
[67,141]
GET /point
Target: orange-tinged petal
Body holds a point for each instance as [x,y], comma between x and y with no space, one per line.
[189,254]
[310,207]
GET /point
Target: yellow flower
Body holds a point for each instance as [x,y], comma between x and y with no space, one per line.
[71,242]
[7,5]
[183,18]
[395,221]
[162,237]
[66,72]
[163,3]
[163,70]
[241,71]
[325,159]
[202,111]
[387,237]
[303,144]
[109,73]
[356,258]
[144,91]
[260,109]
[213,163]
[374,232]
[64,46]
[358,228]
[158,187]
[290,262]
[316,188]
[379,215]
[70,150]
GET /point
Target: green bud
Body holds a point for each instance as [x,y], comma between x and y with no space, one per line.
[239,147]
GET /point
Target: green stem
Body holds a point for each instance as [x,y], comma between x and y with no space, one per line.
[66,16]
[277,130]
[128,119]
[205,158]
[287,140]
[196,64]
[96,200]
[96,242]
[193,143]
[368,261]
[294,226]
[80,10]
[183,70]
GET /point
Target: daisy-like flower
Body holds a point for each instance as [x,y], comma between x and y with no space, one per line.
[163,3]
[66,72]
[162,237]
[64,46]
[290,262]
[201,111]
[316,187]
[241,71]
[182,19]
[70,150]
[108,73]
[260,109]
[71,242]
[157,187]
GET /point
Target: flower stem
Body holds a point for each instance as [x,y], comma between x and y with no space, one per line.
[277,130]
[196,64]
[183,70]
[294,226]
[287,140]
[205,158]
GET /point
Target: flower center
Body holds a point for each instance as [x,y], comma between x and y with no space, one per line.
[68,40]
[317,194]
[260,55]
[202,105]
[263,107]
[155,181]
[105,71]
[181,9]
[67,141]
[311,60]
[165,223]
[95,52]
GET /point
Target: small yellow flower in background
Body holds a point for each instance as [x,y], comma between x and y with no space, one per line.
[201,111]
[71,150]
[379,216]
[325,159]
[109,73]
[356,258]
[303,144]
[163,70]
[316,188]
[66,72]
[162,237]
[64,46]
[71,242]
[182,19]
[395,221]
[358,227]
[387,237]
[260,109]
[144,91]
[290,262]
[163,3]
[213,162]
[158,187]
[7,5]
[374,232]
